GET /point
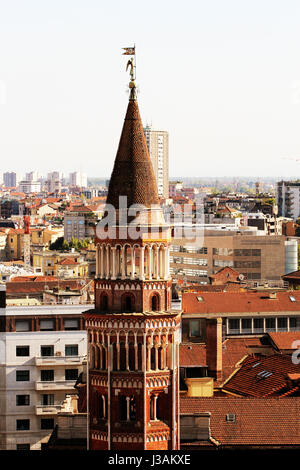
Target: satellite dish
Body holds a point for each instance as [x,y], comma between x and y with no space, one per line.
[241,277]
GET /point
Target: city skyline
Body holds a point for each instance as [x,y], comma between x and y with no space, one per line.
[63,84]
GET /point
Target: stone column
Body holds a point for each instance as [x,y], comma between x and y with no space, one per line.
[132,262]
[113,255]
[101,261]
[142,263]
[150,262]
[107,263]
[128,408]
[123,271]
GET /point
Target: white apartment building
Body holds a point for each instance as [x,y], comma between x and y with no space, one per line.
[158,147]
[78,179]
[39,364]
[29,186]
[288,199]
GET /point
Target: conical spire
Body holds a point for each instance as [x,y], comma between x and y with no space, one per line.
[133,174]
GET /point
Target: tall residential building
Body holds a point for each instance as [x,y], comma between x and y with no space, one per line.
[10,179]
[78,179]
[54,182]
[288,198]
[32,176]
[133,333]
[158,146]
[42,350]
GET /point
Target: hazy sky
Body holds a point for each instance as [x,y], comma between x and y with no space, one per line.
[221,76]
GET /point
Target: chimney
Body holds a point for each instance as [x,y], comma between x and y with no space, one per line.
[214,347]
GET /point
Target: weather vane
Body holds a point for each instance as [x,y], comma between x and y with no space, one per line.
[131,65]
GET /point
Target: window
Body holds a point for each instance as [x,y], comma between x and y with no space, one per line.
[71,350]
[23,424]
[47,350]
[47,423]
[23,447]
[47,375]
[282,324]
[195,328]
[270,324]
[231,418]
[46,325]
[22,325]
[47,399]
[22,400]
[258,324]
[71,324]
[234,324]
[22,351]
[71,374]
[246,325]
[22,375]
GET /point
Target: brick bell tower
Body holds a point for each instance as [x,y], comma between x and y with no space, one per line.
[133,334]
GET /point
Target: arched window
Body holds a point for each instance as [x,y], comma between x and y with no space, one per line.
[155,303]
[104,302]
[127,303]
[122,356]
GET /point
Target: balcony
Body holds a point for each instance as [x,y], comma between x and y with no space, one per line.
[58,360]
[55,385]
[44,410]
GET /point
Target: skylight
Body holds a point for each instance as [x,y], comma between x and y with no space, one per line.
[264,374]
[292,299]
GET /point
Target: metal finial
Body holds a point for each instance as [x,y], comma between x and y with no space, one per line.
[131,65]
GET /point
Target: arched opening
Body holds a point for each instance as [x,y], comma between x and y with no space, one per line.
[155,303]
[128,303]
[122,356]
[104,302]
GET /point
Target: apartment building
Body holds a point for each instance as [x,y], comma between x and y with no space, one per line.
[42,352]
[158,147]
[288,198]
[255,257]
[79,222]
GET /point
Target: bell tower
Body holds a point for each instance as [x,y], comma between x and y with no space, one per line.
[133,334]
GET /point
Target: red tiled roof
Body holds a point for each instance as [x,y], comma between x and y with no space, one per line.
[259,422]
[284,340]
[262,376]
[35,287]
[293,275]
[237,302]
[68,261]
[192,354]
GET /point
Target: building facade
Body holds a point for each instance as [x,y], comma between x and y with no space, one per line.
[158,147]
[261,257]
[288,199]
[42,352]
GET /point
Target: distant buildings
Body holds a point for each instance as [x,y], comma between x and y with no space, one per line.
[158,146]
[78,179]
[10,179]
[288,198]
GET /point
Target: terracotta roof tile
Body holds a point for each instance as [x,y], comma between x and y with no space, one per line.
[237,302]
[284,340]
[259,422]
[261,376]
